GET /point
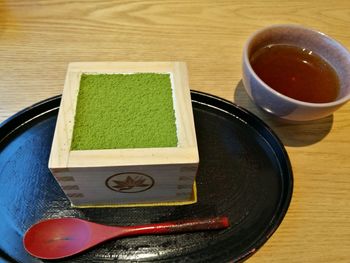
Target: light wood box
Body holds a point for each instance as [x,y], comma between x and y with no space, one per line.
[86,175]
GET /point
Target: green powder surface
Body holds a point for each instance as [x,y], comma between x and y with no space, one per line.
[118,111]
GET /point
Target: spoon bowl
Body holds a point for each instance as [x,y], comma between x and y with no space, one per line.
[64,237]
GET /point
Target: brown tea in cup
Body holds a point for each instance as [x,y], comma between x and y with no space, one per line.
[296,72]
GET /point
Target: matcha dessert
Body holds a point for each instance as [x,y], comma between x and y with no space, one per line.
[119,111]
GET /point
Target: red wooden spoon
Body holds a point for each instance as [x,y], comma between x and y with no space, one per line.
[63,237]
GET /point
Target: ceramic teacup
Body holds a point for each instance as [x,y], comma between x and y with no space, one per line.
[283,106]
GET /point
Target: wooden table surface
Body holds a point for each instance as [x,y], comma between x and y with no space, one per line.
[39,38]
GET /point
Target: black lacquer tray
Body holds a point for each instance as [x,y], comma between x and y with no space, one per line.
[244,173]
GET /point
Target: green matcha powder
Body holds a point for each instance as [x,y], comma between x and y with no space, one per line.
[118,111]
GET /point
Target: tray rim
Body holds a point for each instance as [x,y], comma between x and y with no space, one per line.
[282,207]
[11,124]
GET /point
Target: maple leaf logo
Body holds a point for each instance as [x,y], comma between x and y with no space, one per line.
[130,182]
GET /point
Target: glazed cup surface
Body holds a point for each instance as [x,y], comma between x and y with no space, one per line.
[280,105]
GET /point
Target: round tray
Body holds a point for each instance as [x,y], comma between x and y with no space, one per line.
[244,173]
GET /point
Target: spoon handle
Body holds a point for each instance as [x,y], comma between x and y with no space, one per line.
[177,226]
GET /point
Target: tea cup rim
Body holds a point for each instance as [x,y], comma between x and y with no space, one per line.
[336,102]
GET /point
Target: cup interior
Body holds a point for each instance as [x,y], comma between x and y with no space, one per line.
[329,49]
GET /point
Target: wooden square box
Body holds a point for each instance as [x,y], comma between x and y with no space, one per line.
[132,176]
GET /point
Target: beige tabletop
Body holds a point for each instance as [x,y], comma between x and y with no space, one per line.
[39,38]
